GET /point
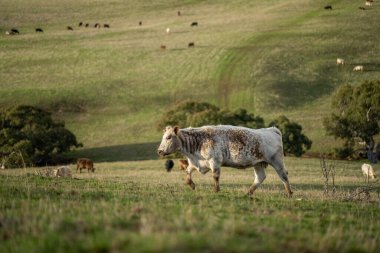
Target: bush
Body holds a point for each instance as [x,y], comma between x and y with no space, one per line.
[294,141]
[190,113]
[28,135]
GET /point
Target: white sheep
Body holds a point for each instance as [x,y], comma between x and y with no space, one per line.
[339,61]
[63,171]
[368,171]
[358,68]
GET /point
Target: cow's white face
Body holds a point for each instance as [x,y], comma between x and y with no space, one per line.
[170,141]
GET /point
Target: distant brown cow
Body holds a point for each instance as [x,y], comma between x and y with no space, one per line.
[163,47]
[183,164]
[85,163]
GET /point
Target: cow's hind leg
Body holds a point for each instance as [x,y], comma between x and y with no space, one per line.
[188,181]
[279,166]
[259,171]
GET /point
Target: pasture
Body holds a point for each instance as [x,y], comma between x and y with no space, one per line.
[139,207]
[270,57]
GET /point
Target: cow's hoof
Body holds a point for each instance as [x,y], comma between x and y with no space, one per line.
[217,189]
[192,185]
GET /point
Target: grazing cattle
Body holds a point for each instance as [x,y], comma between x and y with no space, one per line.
[191,44]
[87,25]
[70,28]
[97,25]
[167,30]
[210,147]
[368,171]
[339,61]
[358,68]
[62,171]
[85,163]
[362,8]
[178,13]
[328,7]
[39,30]
[7,33]
[14,31]
[368,3]
[183,164]
[106,26]
[169,165]
[194,24]
[80,23]
[140,23]
[163,47]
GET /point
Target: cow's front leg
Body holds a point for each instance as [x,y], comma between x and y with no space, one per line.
[188,180]
[215,174]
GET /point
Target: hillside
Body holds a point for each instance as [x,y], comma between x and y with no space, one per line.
[111,85]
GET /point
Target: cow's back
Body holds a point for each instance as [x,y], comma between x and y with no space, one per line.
[241,146]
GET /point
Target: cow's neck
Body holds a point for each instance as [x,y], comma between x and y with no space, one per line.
[191,142]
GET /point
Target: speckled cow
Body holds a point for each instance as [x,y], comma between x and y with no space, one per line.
[210,147]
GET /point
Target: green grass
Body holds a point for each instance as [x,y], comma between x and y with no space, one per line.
[111,85]
[138,207]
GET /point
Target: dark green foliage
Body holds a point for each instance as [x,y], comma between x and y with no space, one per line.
[356,116]
[294,141]
[190,113]
[28,135]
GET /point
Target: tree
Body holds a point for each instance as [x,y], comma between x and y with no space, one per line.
[294,141]
[356,118]
[32,135]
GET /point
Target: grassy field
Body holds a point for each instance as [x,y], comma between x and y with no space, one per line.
[111,85]
[139,207]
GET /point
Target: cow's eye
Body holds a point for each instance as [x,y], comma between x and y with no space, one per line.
[169,137]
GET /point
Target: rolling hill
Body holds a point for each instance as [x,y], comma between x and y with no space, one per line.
[110,85]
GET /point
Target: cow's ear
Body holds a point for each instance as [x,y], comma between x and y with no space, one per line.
[176,130]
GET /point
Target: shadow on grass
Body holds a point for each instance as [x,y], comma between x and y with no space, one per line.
[119,153]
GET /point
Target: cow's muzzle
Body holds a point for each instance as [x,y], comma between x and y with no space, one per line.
[160,152]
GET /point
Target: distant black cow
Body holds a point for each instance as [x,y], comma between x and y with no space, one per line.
[191,44]
[362,8]
[179,13]
[14,31]
[87,25]
[169,164]
[70,28]
[194,24]
[80,23]
[39,30]
[106,26]
[140,23]
[328,7]
[97,25]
